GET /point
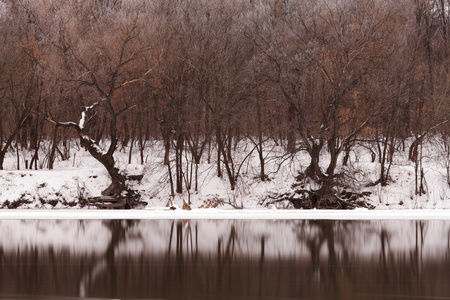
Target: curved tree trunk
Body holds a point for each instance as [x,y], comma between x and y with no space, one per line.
[117,190]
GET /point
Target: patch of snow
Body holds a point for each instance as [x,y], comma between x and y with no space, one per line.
[82,121]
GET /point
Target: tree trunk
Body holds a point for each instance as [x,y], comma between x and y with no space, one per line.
[51,158]
[141,136]
[347,149]
[126,133]
[166,139]
[179,162]
[313,170]
[326,194]
[7,145]
[13,135]
[172,191]
[260,140]
[219,151]
[118,180]
[291,129]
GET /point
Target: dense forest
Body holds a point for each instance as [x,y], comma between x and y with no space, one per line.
[204,75]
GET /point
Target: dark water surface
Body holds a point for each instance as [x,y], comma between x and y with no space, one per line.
[224,259]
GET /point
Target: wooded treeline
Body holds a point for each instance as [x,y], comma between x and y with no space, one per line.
[311,75]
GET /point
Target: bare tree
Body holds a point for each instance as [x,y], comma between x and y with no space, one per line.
[322,63]
[99,64]
[20,81]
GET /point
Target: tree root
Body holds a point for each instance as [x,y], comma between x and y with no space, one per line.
[131,200]
[306,199]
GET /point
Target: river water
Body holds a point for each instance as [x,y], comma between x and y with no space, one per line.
[224,259]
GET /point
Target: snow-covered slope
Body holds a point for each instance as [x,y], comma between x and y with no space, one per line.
[83,176]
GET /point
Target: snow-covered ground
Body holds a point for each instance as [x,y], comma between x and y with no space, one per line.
[83,176]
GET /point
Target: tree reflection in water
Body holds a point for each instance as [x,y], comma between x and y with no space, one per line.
[190,259]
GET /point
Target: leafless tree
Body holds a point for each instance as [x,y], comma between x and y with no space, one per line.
[322,62]
[100,47]
[20,81]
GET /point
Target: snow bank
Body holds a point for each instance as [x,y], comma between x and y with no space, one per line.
[83,176]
